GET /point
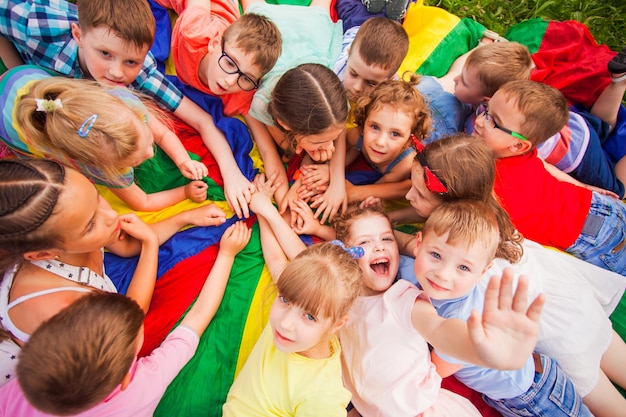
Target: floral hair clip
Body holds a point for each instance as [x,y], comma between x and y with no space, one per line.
[85,128]
[48,106]
[355,251]
[433,183]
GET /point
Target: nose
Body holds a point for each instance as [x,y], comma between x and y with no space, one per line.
[456,79]
[287,320]
[231,79]
[410,196]
[115,70]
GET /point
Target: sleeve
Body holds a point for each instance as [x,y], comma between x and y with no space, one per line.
[153,83]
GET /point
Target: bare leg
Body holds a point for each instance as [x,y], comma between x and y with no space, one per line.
[604,400]
[608,103]
[614,361]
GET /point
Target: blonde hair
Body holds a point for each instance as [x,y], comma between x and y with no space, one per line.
[323,280]
[467,167]
[381,42]
[256,35]
[499,62]
[544,108]
[75,359]
[467,223]
[403,96]
[130,20]
[109,143]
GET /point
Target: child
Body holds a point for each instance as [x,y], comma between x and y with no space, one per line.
[379,267]
[389,118]
[203,33]
[579,296]
[108,41]
[53,229]
[310,108]
[98,338]
[104,133]
[584,227]
[453,251]
[299,346]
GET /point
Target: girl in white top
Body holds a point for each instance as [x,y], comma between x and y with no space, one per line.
[53,228]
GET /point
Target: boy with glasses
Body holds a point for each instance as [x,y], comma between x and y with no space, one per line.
[579,220]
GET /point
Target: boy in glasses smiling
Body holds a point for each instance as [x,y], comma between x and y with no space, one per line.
[219,52]
[579,220]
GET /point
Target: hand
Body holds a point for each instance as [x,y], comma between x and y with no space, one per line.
[315,175]
[602,191]
[208,215]
[371,201]
[507,333]
[261,199]
[238,191]
[196,191]
[332,201]
[321,155]
[194,170]
[135,227]
[235,238]
[306,222]
[307,194]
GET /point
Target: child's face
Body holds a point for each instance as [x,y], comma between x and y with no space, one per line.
[468,88]
[505,115]
[320,146]
[108,59]
[145,142]
[445,271]
[381,260]
[385,135]
[88,223]
[360,79]
[421,198]
[227,69]
[297,331]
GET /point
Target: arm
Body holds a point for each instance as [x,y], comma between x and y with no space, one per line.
[444,369]
[138,200]
[503,338]
[9,54]
[202,312]
[335,198]
[171,145]
[310,224]
[565,177]
[384,190]
[237,188]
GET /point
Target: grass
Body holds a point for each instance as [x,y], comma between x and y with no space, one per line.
[605,19]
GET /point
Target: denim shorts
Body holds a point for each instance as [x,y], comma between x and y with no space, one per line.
[602,241]
[551,394]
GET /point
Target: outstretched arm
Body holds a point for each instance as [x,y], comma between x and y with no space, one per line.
[237,188]
[138,200]
[9,55]
[503,338]
[235,238]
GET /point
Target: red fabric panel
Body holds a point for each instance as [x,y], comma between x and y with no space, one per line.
[452,384]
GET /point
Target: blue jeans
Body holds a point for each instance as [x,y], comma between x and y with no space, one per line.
[551,394]
[602,241]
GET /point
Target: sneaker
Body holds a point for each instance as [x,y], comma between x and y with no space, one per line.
[396,9]
[374,6]
[618,64]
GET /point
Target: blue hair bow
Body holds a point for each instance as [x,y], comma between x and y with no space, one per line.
[355,251]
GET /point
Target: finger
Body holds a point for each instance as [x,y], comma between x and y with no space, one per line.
[244,208]
[234,206]
[475,328]
[520,297]
[534,311]
[492,294]
[506,289]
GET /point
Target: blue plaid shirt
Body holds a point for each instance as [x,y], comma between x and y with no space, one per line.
[41,32]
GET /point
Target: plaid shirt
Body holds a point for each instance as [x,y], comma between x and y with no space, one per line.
[41,32]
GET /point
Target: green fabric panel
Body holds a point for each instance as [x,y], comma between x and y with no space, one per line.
[292,2]
[3,67]
[529,33]
[161,173]
[206,379]
[618,318]
[462,38]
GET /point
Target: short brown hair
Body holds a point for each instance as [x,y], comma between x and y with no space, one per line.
[343,222]
[257,35]
[499,62]
[381,42]
[130,20]
[74,360]
[544,108]
[467,222]
[323,280]
[404,96]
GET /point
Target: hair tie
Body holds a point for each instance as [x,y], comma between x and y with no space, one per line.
[48,106]
[355,251]
[85,128]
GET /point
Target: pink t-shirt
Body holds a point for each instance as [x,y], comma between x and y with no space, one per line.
[150,377]
[542,208]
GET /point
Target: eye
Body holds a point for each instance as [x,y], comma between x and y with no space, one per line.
[372,83]
[310,317]
[283,299]
[389,239]
[132,63]
[464,268]
[363,242]
[435,255]
[396,134]
[105,53]
[91,226]
[374,126]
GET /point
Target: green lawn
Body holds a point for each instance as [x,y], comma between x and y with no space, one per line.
[606,19]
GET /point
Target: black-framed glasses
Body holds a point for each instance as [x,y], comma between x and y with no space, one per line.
[482,109]
[229,66]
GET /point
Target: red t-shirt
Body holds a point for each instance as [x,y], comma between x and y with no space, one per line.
[542,208]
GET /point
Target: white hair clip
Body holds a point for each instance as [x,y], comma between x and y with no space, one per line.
[48,106]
